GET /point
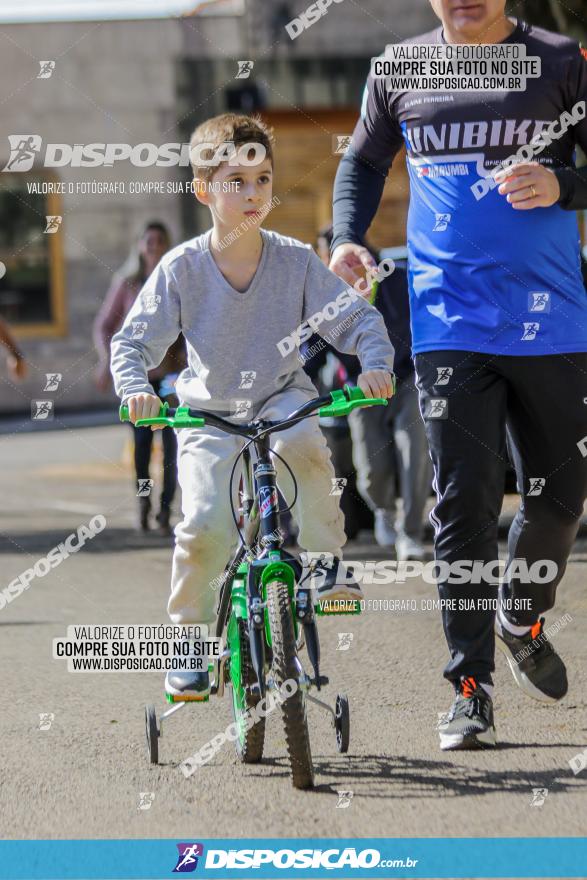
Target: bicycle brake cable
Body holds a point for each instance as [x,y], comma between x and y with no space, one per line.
[230,483]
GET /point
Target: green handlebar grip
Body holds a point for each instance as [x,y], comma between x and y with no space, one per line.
[181,419]
[343,402]
[124,416]
[353,392]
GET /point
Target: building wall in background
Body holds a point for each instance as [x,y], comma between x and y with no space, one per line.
[153,81]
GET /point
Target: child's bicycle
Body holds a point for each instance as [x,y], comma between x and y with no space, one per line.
[265,602]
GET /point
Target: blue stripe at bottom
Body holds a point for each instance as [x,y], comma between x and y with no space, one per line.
[512,857]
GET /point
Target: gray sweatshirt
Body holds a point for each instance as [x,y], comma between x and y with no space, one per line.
[242,346]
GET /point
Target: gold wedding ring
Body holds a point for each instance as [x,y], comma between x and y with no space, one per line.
[533,188]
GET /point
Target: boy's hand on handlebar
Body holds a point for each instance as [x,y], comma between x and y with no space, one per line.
[144,406]
[376,383]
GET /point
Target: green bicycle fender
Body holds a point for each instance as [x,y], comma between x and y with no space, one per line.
[239,612]
[239,598]
[277,571]
[233,643]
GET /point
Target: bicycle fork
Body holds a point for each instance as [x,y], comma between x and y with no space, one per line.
[270,538]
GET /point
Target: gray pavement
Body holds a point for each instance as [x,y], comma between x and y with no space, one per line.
[82,778]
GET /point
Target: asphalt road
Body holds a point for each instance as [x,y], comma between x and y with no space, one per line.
[83,777]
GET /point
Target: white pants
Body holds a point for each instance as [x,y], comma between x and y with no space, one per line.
[207,536]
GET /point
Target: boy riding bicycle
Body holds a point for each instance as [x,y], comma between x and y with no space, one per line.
[242,298]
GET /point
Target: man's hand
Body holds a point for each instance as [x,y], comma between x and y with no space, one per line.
[351,262]
[528,185]
[144,406]
[376,383]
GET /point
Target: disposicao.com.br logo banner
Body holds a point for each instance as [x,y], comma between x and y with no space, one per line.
[26,150]
[293,857]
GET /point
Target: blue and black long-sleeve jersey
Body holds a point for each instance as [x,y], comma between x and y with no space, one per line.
[483,276]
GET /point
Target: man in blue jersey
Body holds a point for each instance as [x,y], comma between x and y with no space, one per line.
[499,326]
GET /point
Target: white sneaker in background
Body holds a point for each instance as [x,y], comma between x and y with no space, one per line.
[384,531]
[408,548]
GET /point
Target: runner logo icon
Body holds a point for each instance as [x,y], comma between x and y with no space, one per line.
[531,328]
[341,143]
[53,222]
[539,795]
[244,69]
[443,375]
[46,69]
[338,484]
[187,860]
[45,720]
[538,301]
[247,378]
[437,408]
[242,408]
[53,380]
[145,486]
[41,409]
[536,485]
[441,222]
[146,799]
[344,641]
[344,799]
[23,149]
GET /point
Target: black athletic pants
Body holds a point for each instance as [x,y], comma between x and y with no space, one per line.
[472,405]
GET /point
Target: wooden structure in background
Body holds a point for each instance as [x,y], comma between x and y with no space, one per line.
[305,167]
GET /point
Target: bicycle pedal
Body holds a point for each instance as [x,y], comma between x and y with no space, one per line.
[321,681]
[188,698]
[338,606]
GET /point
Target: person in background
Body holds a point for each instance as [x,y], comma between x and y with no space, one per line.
[389,443]
[128,281]
[15,361]
[499,320]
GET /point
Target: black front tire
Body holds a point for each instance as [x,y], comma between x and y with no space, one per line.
[285,667]
[342,723]
[249,747]
[152,732]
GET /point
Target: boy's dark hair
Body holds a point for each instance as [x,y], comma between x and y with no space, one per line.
[233,128]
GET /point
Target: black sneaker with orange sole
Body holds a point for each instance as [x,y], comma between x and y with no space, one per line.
[469,724]
[535,665]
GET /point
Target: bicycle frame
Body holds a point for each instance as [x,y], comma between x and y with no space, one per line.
[261,529]
[263,537]
[259,593]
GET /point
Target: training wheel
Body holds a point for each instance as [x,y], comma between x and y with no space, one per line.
[342,723]
[152,732]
